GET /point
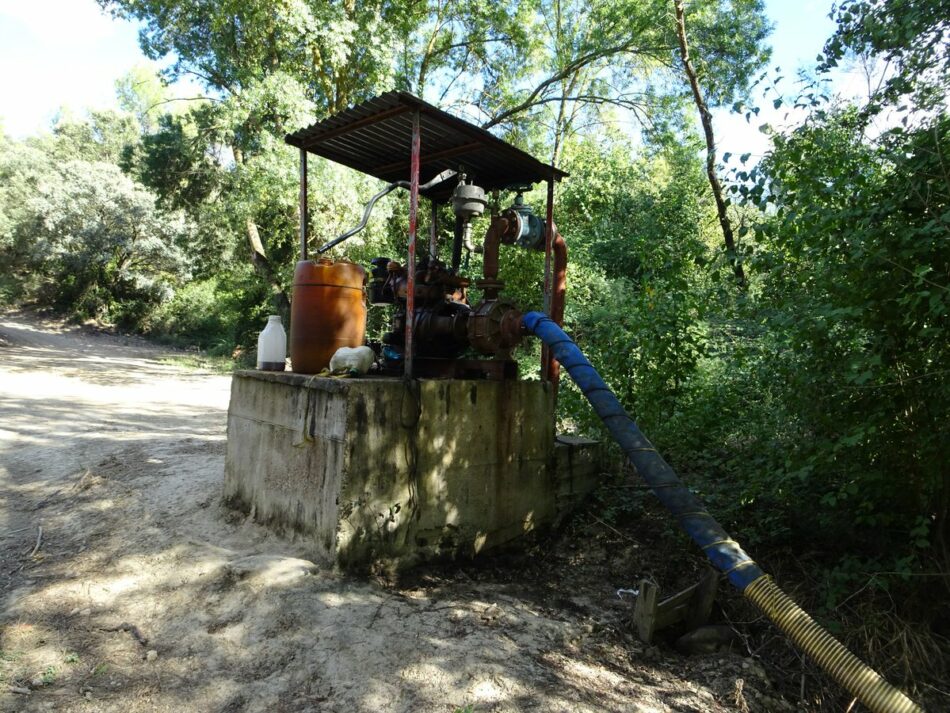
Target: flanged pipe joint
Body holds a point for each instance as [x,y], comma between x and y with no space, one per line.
[494,327]
[529,228]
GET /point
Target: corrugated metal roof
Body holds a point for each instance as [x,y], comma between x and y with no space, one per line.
[375,137]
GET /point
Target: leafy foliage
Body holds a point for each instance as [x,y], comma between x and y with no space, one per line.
[910,35]
[102,136]
[637,225]
[101,246]
[850,319]
[860,298]
[810,409]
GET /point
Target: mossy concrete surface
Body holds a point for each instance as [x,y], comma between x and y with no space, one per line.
[384,469]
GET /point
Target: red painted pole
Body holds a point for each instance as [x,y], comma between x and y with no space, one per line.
[558,293]
[546,357]
[413,211]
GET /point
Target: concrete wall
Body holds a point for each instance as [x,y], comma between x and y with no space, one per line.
[383,469]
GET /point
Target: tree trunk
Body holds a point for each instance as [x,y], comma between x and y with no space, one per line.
[260,261]
[706,119]
[263,266]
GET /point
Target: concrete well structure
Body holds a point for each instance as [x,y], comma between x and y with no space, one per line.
[387,469]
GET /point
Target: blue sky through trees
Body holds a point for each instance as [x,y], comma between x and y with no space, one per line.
[67,53]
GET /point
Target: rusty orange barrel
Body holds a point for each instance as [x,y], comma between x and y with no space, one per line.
[328,311]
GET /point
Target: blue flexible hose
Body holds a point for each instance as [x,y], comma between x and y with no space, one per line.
[693,518]
[866,684]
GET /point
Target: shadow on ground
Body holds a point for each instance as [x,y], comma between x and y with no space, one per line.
[144,593]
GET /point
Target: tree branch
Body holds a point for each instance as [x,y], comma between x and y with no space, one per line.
[706,119]
[182,99]
[571,67]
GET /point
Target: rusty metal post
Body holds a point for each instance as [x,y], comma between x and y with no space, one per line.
[303,204]
[558,292]
[546,357]
[413,215]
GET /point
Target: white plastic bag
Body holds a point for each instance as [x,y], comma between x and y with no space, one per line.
[358,359]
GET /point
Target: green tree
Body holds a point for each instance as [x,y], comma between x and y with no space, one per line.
[142,93]
[910,36]
[340,53]
[100,246]
[855,259]
[270,67]
[100,136]
[23,166]
[636,221]
[590,63]
[861,290]
[179,162]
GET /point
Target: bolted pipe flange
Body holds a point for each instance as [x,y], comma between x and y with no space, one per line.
[495,327]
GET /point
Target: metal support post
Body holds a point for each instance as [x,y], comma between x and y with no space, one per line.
[546,358]
[413,215]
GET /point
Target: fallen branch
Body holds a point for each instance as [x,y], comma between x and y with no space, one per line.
[613,529]
[13,532]
[131,628]
[376,613]
[39,540]
[19,689]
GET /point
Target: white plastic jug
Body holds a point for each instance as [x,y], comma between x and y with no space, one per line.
[272,346]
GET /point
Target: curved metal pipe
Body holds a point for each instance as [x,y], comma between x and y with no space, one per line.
[367,211]
[490,247]
[724,552]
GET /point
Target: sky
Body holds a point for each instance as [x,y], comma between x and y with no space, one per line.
[800,28]
[59,52]
[56,53]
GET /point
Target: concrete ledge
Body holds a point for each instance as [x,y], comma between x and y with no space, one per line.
[580,464]
[382,469]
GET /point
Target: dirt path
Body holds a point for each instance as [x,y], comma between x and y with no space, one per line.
[146,594]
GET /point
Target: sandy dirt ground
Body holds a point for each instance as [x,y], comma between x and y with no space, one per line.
[145,593]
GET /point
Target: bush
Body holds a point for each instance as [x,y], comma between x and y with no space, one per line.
[195,317]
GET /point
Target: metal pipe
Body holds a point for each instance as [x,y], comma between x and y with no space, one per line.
[303,204]
[411,267]
[490,248]
[367,211]
[457,243]
[557,298]
[362,224]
